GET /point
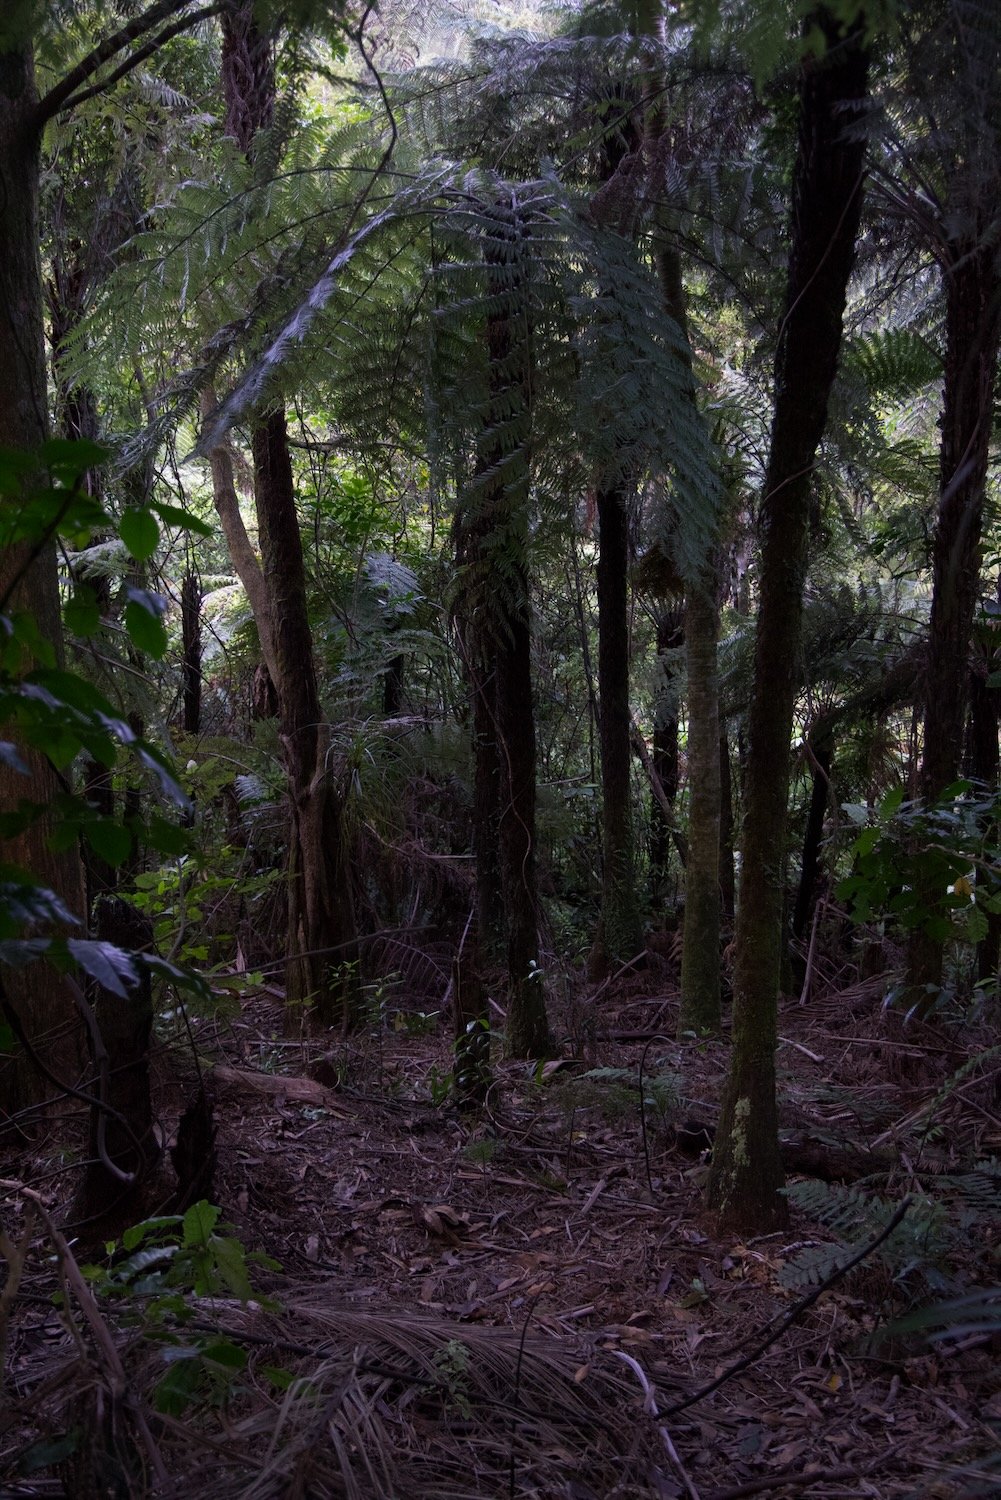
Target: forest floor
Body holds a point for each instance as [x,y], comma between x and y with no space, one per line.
[524,1301]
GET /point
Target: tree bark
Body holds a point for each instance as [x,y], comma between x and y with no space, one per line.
[670,636]
[700,953]
[746,1170]
[41,998]
[323,948]
[241,552]
[495,595]
[973,327]
[619,936]
[822,749]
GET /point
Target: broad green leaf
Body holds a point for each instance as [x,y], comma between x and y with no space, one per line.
[199,1222]
[140,533]
[145,629]
[112,967]
[173,515]
[110,840]
[81,615]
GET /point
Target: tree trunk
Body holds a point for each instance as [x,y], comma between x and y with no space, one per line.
[497,599]
[670,636]
[241,553]
[40,998]
[746,1170]
[191,662]
[619,936]
[972,324]
[700,954]
[985,768]
[822,750]
[727,874]
[480,671]
[323,948]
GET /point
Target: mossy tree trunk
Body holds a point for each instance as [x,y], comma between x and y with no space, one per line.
[746,1173]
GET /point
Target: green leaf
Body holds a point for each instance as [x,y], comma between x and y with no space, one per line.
[199,1222]
[165,837]
[140,533]
[138,1232]
[49,1451]
[231,1261]
[173,515]
[225,1353]
[145,629]
[81,615]
[112,967]
[109,840]
[891,802]
[179,1386]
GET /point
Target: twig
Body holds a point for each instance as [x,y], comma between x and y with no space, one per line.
[784,1480]
[646,1146]
[791,1316]
[650,1407]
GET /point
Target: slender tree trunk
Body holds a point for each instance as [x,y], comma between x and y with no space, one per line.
[41,999]
[746,1172]
[323,948]
[479,666]
[727,875]
[670,636]
[619,936]
[191,662]
[823,756]
[973,326]
[984,767]
[700,954]
[241,552]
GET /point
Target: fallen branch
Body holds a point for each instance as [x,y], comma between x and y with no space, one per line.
[278,1086]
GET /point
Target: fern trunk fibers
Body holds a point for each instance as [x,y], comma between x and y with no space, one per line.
[619,936]
[973,323]
[746,1172]
[670,636]
[501,492]
[191,660]
[323,947]
[822,750]
[470,537]
[38,996]
[700,953]
[984,767]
